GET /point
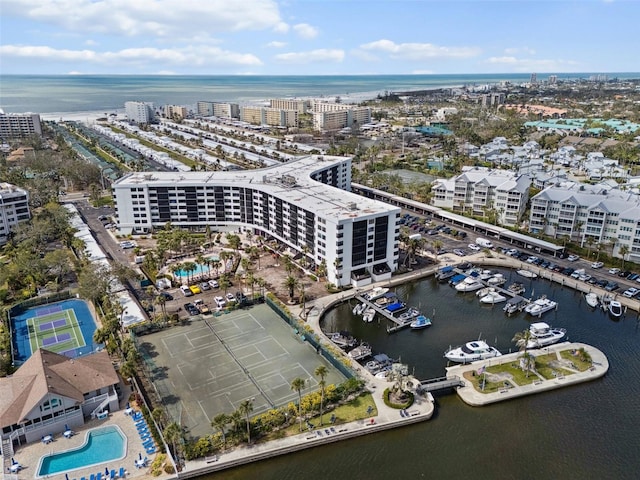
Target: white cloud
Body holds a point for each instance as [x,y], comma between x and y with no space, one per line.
[305,30]
[320,55]
[196,56]
[535,64]
[276,44]
[90,43]
[161,18]
[422,72]
[419,51]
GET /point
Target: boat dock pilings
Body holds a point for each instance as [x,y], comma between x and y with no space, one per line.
[399,324]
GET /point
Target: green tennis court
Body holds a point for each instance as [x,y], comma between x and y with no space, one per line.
[58,331]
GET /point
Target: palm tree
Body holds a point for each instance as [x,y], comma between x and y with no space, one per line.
[246,407]
[321,371]
[235,418]
[190,267]
[522,339]
[623,251]
[173,434]
[158,416]
[220,422]
[298,384]
[291,283]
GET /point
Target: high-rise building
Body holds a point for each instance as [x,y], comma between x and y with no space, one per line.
[218,109]
[139,112]
[275,117]
[175,111]
[301,106]
[14,208]
[553,79]
[534,79]
[19,125]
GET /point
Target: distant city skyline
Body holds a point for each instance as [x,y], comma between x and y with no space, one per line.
[314,37]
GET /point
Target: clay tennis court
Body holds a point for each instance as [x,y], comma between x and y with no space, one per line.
[210,366]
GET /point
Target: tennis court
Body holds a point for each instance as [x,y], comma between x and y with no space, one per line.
[65,327]
[211,366]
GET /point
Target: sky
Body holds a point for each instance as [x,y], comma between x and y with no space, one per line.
[318,37]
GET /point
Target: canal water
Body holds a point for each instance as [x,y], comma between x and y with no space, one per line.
[587,431]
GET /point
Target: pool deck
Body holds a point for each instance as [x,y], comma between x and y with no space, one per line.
[29,455]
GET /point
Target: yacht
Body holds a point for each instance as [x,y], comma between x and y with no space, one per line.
[540,306]
[526,273]
[376,293]
[360,352]
[445,273]
[592,299]
[471,352]
[493,297]
[615,308]
[469,284]
[515,304]
[543,335]
[420,322]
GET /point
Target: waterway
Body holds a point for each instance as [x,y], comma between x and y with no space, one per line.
[580,432]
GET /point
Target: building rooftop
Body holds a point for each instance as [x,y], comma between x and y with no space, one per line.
[290,182]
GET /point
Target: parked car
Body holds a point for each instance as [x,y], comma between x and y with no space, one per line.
[573,258]
[166,296]
[195,289]
[220,302]
[201,306]
[631,292]
[214,284]
[205,286]
[191,309]
[602,283]
[459,252]
[611,286]
[126,245]
[230,297]
[474,247]
[614,271]
[186,291]
[597,265]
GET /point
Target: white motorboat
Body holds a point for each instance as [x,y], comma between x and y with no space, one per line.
[615,308]
[543,335]
[469,284]
[517,288]
[514,304]
[361,351]
[376,293]
[368,315]
[471,352]
[484,291]
[592,299]
[358,309]
[497,279]
[493,297]
[526,273]
[409,314]
[540,306]
[420,322]
[486,274]
[343,339]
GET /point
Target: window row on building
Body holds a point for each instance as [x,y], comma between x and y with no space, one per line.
[14,208]
[19,125]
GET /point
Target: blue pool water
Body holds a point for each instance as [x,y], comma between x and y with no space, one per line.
[102,445]
[200,269]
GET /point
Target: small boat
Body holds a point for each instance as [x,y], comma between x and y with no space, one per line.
[469,284]
[376,293]
[526,273]
[497,279]
[514,304]
[540,306]
[592,299]
[360,352]
[420,322]
[343,339]
[517,288]
[368,315]
[456,279]
[358,309]
[615,308]
[445,273]
[396,307]
[471,352]
[493,297]
[486,274]
[485,291]
[409,314]
[543,335]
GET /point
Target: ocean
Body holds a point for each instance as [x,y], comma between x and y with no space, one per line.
[57,95]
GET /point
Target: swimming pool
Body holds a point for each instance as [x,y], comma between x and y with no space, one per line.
[101,445]
[200,269]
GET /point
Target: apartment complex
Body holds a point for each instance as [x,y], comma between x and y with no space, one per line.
[175,111]
[591,214]
[304,204]
[335,116]
[274,117]
[484,192]
[301,106]
[19,125]
[139,112]
[218,109]
[14,208]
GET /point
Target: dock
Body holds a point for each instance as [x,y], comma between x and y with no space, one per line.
[441,383]
[399,324]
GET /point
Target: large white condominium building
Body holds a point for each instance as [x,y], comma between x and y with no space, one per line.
[301,106]
[19,125]
[498,194]
[14,208]
[218,109]
[592,214]
[274,117]
[139,112]
[175,111]
[303,204]
[335,116]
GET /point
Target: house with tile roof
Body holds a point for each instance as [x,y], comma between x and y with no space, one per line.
[50,391]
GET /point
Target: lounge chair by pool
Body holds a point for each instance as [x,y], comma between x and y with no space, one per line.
[99,476]
[122,472]
[92,476]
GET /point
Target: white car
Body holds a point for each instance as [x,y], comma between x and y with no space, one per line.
[614,271]
[597,265]
[220,302]
[573,258]
[474,247]
[631,292]
[532,259]
[213,283]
